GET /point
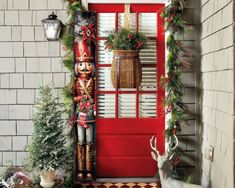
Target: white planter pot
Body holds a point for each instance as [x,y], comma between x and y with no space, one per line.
[47,178]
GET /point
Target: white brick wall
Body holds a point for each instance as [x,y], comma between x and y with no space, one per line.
[27,33]
[26,60]
[24,128]
[5,143]
[19,143]
[7,65]
[5,33]
[8,128]
[217,96]
[25,17]
[22,4]
[11,18]
[9,158]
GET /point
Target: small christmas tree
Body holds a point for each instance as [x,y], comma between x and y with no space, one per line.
[47,151]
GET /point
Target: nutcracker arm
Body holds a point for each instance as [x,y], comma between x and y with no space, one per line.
[77,99]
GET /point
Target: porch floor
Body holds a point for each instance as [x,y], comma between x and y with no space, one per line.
[118,185]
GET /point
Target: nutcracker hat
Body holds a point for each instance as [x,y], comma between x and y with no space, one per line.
[83,51]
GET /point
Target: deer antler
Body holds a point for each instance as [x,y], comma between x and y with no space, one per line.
[153,144]
[172,148]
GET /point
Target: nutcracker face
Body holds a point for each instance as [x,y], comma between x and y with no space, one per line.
[85,68]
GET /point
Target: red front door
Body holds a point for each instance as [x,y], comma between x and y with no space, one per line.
[127,118]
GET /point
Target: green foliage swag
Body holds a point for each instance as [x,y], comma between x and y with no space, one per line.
[125,40]
[68,60]
[47,150]
[177,59]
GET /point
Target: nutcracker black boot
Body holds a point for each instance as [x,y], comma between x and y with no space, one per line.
[90,161]
[81,161]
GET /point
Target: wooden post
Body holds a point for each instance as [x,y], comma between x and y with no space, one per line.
[127,16]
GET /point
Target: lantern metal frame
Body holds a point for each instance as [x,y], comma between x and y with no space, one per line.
[52,27]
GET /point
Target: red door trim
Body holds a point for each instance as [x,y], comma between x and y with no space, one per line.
[106,8]
[161,62]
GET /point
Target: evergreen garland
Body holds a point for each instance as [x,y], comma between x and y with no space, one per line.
[176,59]
[125,39]
[68,61]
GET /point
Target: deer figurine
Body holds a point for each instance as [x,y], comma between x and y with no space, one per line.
[163,165]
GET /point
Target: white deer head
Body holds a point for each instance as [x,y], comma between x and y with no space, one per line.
[164,165]
[163,160]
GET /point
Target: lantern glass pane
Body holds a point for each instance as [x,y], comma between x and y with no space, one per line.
[52,29]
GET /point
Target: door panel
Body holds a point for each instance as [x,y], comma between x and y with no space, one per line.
[115,168]
[118,145]
[127,118]
[132,126]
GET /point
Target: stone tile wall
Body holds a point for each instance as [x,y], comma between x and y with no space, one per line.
[217,90]
[26,61]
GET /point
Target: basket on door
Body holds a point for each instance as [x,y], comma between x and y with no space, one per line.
[126,71]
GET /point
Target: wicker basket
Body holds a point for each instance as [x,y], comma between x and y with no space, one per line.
[126,71]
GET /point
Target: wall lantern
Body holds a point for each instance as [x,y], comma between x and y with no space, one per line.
[52,27]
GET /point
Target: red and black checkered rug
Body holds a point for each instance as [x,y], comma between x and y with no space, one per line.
[119,185]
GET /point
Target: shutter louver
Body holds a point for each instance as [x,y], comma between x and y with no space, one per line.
[149,81]
[127,105]
[147,105]
[132,21]
[104,79]
[106,23]
[106,106]
[104,56]
[148,24]
[148,55]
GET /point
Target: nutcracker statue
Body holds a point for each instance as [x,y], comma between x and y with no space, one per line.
[84,98]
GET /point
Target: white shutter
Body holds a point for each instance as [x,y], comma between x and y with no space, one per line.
[132,21]
[148,55]
[104,56]
[106,23]
[104,79]
[149,80]
[147,105]
[127,102]
[127,105]
[148,23]
[106,105]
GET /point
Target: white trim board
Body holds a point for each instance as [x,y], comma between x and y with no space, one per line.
[86,2]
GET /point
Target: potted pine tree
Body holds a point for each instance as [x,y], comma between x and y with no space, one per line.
[47,151]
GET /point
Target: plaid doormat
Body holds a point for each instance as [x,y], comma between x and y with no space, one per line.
[119,185]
